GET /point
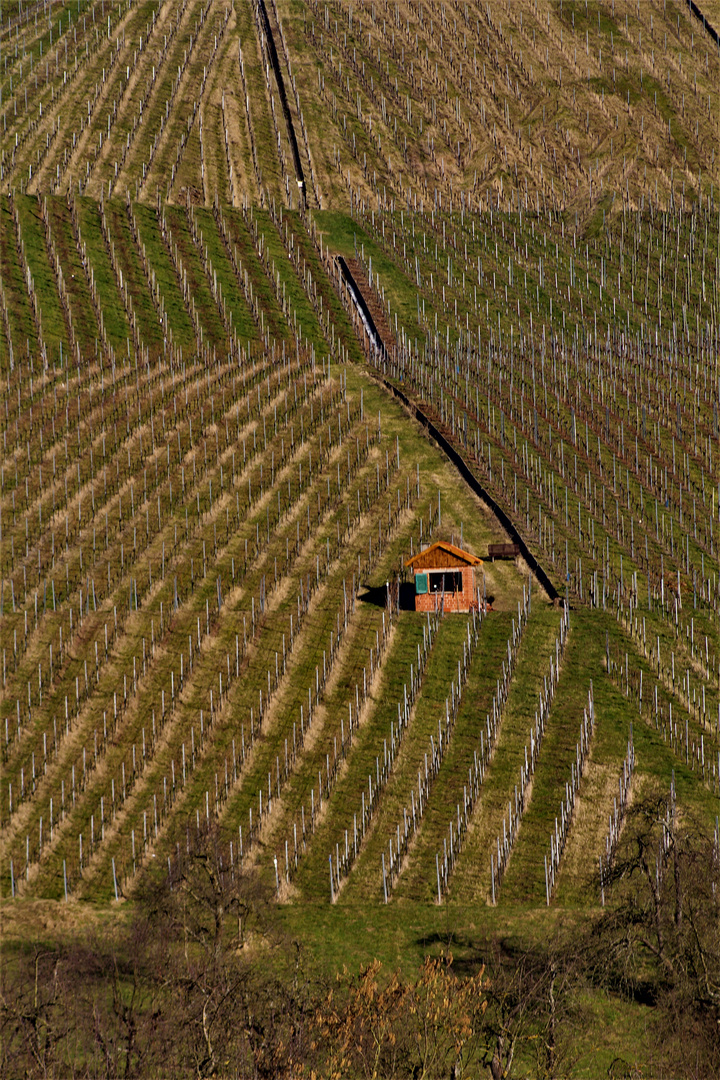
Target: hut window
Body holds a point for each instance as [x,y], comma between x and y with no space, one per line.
[421,583]
[446,581]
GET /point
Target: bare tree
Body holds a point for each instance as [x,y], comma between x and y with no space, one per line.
[33,1021]
[210,924]
[659,940]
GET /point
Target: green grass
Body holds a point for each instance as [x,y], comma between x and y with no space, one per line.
[418,881]
[524,878]
[365,629]
[150,238]
[293,299]
[20,316]
[77,287]
[33,235]
[312,877]
[347,237]
[236,305]
[577,881]
[114,319]
[366,879]
[241,230]
[128,260]
[470,882]
[308,259]
[201,296]
[315,638]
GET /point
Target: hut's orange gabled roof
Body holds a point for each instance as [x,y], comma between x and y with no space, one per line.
[424,558]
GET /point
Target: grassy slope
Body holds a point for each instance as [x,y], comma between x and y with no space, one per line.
[366,880]
[470,883]
[418,880]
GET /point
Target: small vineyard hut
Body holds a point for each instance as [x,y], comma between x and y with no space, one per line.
[444,578]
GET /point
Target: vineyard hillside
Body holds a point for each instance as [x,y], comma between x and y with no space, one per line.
[289,291]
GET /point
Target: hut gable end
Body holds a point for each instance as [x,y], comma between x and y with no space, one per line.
[442,556]
[440,560]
